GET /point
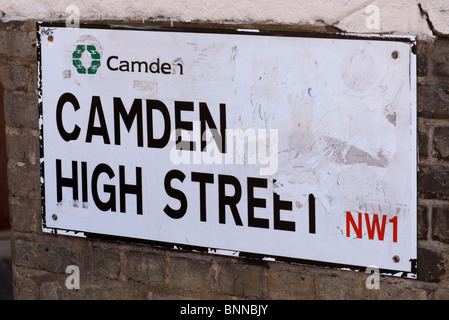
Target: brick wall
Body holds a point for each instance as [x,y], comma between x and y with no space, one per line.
[433,169]
[113,269]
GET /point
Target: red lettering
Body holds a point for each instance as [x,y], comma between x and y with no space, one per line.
[394,221]
[350,221]
[375,225]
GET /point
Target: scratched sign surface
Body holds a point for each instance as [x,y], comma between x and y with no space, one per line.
[279,145]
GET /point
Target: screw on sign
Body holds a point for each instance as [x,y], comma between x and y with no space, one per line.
[78,53]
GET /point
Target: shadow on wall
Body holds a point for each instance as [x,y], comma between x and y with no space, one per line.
[5,245]
[4,211]
[5,266]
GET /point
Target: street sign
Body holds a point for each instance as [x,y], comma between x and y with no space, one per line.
[299,146]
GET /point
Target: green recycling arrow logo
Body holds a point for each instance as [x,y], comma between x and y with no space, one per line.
[77,54]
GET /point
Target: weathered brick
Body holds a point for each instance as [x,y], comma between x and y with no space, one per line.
[50,290]
[441,142]
[423,142]
[24,180]
[52,286]
[433,100]
[105,289]
[190,274]
[431,265]
[17,77]
[290,284]
[440,224]
[346,285]
[441,293]
[25,214]
[401,290]
[143,267]
[102,263]
[24,287]
[423,222]
[23,145]
[242,279]
[433,182]
[161,293]
[48,256]
[421,60]
[336,286]
[21,109]
[18,43]
[440,57]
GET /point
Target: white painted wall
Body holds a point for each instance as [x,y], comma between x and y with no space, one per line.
[358,16]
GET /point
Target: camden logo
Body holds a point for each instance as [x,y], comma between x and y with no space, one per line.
[86,59]
[88,52]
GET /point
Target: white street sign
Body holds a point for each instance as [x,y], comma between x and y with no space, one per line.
[284,145]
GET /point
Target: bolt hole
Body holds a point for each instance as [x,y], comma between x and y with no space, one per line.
[54,216]
[50,38]
[394,55]
[396,259]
